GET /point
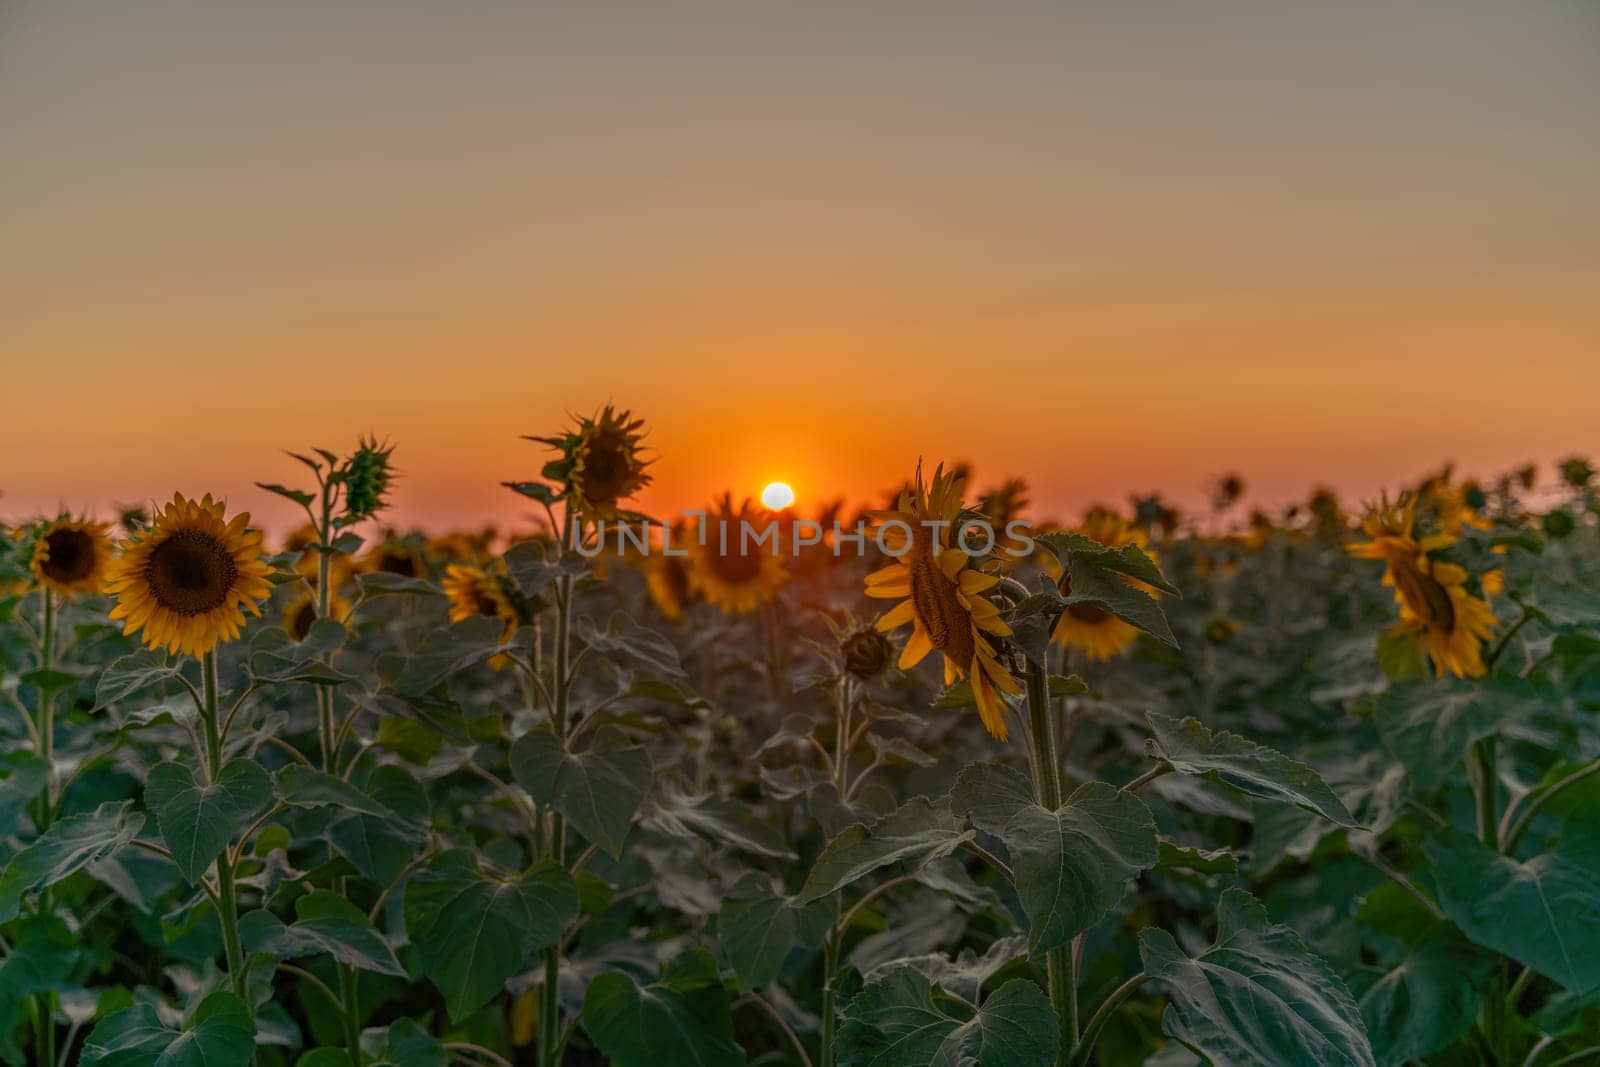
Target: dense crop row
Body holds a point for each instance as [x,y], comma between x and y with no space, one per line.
[1318,790]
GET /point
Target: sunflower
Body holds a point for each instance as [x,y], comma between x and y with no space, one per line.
[730,570]
[189,579]
[70,556]
[1100,634]
[301,613]
[666,579]
[393,557]
[475,591]
[601,462]
[1449,623]
[943,594]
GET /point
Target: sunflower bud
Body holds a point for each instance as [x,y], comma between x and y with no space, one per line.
[866,654]
[366,478]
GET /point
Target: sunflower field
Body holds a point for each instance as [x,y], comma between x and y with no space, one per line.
[1316,787]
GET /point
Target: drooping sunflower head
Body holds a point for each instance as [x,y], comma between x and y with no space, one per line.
[602,462]
[734,561]
[70,556]
[1448,621]
[1097,632]
[866,653]
[941,595]
[189,580]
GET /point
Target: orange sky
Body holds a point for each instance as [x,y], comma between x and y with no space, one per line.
[1104,249]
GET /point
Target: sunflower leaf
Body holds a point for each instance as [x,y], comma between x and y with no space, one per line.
[197,820]
[683,1019]
[220,1034]
[1190,747]
[69,845]
[473,929]
[901,1018]
[918,831]
[1257,997]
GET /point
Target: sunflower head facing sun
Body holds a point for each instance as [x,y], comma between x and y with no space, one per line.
[941,596]
[732,571]
[70,557]
[602,462]
[189,579]
[1097,632]
[1448,622]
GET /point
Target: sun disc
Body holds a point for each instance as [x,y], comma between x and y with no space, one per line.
[777,495]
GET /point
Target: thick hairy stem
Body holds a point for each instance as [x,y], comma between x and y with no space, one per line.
[1047,788]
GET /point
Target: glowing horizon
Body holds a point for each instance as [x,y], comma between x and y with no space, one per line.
[1102,250]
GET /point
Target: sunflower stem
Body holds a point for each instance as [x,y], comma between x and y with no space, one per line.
[47,712]
[1059,968]
[227,897]
[555,838]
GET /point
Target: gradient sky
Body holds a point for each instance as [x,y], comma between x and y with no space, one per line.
[1106,246]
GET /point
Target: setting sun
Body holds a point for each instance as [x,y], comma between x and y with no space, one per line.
[777,495]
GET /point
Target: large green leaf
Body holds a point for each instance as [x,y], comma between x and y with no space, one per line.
[683,1019]
[1543,912]
[1101,577]
[218,1035]
[1429,999]
[759,928]
[382,846]
[21,785]
[445,652]
[1073,864]
[1429,726]
[918,831]
[902,1020]
[1565,605]
[407,1044]
[70,844]
[1257,997]
[991,794]
[305,787]
[43,954]
[598,790]
[198,820]
[685,815]
[473,929]
[325,923]
[132,674]
[1190,747]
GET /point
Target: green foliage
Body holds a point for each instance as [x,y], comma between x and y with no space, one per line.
[1257,996]
[903,1018]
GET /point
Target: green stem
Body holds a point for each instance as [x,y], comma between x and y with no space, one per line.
[1101,1016]
[1512,834]
[556,838]
[47,713]
[1047,787]
[1484,786]
[227,896]
[830,992]
[350,999]
[324,609]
